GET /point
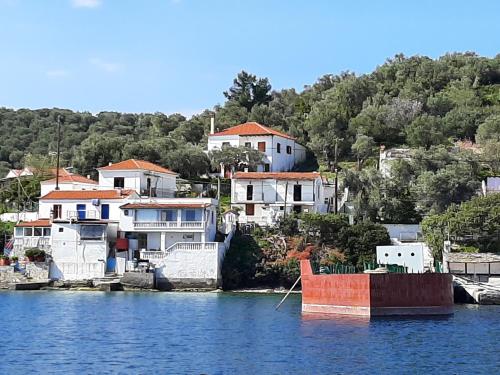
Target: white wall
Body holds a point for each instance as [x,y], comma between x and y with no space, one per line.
[279,162]
[46,187]
[46,205]
[411,256]
[18,216]
[137,180]
[192,265]
[404,232]
[73,258]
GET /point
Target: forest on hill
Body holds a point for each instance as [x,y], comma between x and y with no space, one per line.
[423,103]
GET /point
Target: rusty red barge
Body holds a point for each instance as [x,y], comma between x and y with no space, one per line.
[370,294]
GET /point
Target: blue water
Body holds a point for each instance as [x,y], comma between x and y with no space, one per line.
[215,333]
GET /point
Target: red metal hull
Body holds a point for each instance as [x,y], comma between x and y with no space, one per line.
[376,294]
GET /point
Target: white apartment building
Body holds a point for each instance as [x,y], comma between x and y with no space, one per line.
[281,151]
[263,197]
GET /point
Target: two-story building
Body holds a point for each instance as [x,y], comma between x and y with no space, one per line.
[146,178]
[264,197]
[281,151]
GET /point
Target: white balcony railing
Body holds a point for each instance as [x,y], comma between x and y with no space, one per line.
[155,255]
[169,224]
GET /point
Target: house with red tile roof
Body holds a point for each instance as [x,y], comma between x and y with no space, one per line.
[147,178]
[281,151]
[68,181]
[264,197]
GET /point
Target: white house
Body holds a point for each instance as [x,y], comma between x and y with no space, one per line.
[146,178]
[263,197]
[67,181]
[31,234]
[407,248]
[281,151]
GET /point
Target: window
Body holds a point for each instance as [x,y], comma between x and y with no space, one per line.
[38,232]
[248,144]
[289,150]
[190,215]
[297,192]
[278,148]
[46,232]
[168,215]
[92,232]
[261,146]
[249,192]
[267,167]
[126,212]
[61,230]
[19,232]
[225,144]
[282,208]
[213,217]
[250,209]
[28,232]
[57,211]
[119,182]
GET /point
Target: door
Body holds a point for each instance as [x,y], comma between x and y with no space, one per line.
[105,211]
[250,209]
[297,193]
[80,208]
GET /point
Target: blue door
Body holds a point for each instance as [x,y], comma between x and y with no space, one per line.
[80,208]
[105,211]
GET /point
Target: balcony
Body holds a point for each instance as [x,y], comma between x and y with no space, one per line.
[169,224]
[79,215]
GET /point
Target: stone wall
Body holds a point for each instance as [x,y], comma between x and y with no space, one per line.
[37,270]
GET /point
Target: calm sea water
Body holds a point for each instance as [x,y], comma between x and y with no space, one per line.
[216,333]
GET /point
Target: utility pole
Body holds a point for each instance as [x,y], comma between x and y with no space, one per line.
[336,205]
[284,207]
[58,149]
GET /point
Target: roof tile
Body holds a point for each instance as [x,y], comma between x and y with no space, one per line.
[134,164]
[251,128]
[87,194]
[277,175]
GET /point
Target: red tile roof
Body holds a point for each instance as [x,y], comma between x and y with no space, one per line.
[133,164]
[35,223]
[276,175]
[88,194]
[164,205]
[251,128]
[73,178]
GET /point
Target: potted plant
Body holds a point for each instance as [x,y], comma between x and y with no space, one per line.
[14,260]
[4,261]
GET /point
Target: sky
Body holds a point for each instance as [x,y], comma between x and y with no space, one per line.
[178,56]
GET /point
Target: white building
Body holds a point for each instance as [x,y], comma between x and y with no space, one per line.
[407,249]
[67,181]
[146,178]
[281,151]
[263,197]
[89,232]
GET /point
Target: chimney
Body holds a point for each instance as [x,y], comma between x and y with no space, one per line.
[212,125]
[110,163]
[88,176]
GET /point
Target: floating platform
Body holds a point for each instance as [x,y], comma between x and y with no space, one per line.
[376,294]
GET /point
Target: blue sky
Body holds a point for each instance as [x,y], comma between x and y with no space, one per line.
[180,55]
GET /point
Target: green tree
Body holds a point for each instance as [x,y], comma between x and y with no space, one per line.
[364,147]
[236,158]
[248,90]
[189,162]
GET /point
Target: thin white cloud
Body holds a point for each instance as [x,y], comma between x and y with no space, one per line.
[57,73]
[106,66]
[86,3]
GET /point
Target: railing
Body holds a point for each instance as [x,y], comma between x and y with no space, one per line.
[26,242]
[82,215]
[79,271]
[169,224]
[153,255]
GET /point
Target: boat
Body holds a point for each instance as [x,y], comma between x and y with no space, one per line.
[376,294]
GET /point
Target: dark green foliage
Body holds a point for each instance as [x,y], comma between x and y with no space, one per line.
[474,223]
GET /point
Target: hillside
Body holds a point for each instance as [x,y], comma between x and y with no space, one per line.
[407,101]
